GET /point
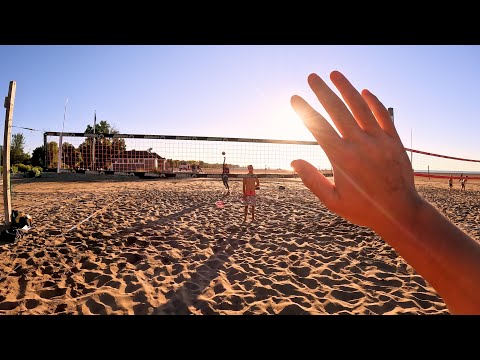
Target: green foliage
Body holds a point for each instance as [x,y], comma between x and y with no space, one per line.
[38,156]
[111,146]
[103,127]
[23,168]
[52,150]
[71,157]
[34,172]
[28,170]
[17,154]
[37,171]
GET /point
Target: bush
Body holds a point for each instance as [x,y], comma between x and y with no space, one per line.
[29,170]
[35,172]
[23,168]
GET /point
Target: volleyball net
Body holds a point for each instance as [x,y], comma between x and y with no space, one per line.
[171,155]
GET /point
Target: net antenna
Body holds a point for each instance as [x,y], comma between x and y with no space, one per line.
[93,147]
[60,141]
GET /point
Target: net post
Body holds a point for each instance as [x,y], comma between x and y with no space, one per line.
[7,198]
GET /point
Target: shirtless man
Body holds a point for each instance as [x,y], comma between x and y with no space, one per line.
[225,172]
[463,182]
[250,183]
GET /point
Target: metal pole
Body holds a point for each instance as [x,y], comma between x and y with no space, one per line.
[60,145]
[94,126]
[7,199]
[44,151]
[411,146]
[390,111]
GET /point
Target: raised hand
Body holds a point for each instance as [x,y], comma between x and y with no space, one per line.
[373,177]
[373,186]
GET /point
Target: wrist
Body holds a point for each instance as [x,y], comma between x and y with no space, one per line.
[404,219]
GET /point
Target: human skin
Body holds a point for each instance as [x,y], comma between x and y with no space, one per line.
[249,184]
[366,145]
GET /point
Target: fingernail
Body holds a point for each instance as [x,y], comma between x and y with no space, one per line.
[294,165]
[313,78]
[336,75]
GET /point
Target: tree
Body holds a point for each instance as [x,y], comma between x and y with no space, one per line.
[71,157]
[52,154]
[38,156]
[103,127]
[17,153]
[105,148]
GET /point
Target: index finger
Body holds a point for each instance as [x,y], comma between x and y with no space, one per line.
[336,108]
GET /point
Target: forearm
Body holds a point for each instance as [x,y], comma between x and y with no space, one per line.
[451,267]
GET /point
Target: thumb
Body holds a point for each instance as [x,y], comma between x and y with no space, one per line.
[313,179]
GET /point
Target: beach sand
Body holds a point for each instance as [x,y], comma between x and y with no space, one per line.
[163,247]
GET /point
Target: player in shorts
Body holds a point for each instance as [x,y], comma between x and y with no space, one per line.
[250,183]
[225,172]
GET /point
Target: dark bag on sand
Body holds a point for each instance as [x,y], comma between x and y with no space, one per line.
[21,222]
[10,235]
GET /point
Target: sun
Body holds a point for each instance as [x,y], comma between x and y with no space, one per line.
[287,125]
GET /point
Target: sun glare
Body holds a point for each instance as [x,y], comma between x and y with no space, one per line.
[287,125]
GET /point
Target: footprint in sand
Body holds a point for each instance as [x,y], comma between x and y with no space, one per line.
[9,305]
[52,293]
[31,303]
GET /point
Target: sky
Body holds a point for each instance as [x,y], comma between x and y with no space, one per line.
[241,91]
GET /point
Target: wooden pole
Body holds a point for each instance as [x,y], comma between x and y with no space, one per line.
[7,199]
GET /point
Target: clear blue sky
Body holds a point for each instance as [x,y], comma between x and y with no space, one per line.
[241,91]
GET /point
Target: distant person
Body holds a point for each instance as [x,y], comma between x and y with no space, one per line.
[450,183]
[250,184]
[225,172]
[463,182]
[390,205]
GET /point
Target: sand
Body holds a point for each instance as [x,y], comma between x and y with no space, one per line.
[163,247]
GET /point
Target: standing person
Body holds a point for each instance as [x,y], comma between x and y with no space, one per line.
[450,183]
[463,182]
[250,183]
[444,255]
[225,172]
